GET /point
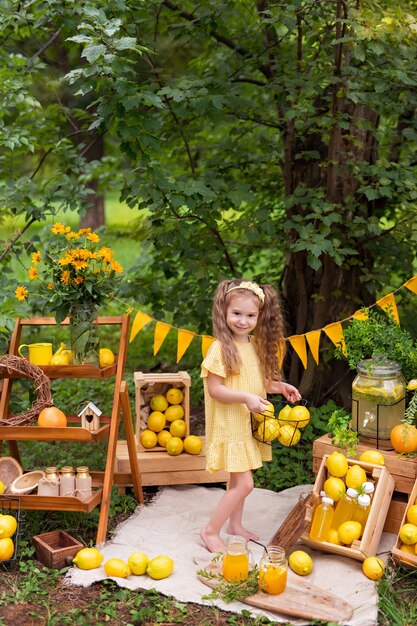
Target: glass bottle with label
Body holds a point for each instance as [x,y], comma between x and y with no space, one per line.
[67,482]
[83,483]
[49,484]
[273,571]
[322,520]
[378,398]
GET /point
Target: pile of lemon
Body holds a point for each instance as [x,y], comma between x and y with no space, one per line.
[408,531]
[285,428]
[166,426]
[137,564]
[8,527]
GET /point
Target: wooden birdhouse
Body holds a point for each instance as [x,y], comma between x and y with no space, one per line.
[90,417]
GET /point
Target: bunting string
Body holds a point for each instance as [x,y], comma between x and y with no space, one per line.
[299,343]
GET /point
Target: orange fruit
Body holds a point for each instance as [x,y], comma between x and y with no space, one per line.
[51,417]
[404,438]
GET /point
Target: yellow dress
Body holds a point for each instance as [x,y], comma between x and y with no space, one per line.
[230,444]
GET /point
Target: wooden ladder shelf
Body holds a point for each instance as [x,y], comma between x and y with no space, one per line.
[109,428]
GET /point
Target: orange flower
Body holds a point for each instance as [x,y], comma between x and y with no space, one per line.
[93,237]
[36,257]
[60,229]
[116,267]
[78,280]
[84,231]
[79,265]
[33,273]
[66,277]
[21,293]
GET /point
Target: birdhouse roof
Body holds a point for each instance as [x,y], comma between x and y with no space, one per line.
[91,406]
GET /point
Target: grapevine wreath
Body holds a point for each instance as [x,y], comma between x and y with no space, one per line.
[11,364]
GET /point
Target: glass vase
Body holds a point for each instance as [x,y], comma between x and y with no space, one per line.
[84,336]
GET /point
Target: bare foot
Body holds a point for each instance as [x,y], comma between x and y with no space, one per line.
[242,532]
[212,541]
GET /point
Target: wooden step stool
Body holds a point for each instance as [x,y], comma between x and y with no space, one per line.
[160,468]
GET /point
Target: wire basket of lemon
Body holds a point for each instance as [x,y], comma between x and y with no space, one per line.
[9,528]
[280,422]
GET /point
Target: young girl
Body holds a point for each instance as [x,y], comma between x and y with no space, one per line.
[238,371]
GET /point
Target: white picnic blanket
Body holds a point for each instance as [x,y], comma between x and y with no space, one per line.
[170,525]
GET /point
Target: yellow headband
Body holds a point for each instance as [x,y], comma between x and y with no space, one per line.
[258,291]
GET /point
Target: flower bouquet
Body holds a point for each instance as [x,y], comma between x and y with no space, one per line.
[76,274]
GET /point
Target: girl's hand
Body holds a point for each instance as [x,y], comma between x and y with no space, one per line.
[289,392]
[256,404]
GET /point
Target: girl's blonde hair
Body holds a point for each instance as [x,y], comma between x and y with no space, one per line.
[269,331]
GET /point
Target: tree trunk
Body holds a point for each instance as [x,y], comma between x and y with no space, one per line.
[94,217]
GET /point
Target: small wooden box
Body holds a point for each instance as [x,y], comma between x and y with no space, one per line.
[53,548]
[368,544]
[149,385]
[402,469]
[399,556]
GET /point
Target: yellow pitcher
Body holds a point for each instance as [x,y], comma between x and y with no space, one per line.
[39,353]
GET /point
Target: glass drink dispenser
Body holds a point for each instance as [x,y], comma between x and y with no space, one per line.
[378,399]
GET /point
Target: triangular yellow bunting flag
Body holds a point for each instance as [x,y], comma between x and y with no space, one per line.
[412,284]
[361,315]
[298,342]
[185,337]
[206,342]
[161,331]
[335,334]
[387,303]
[141,319]
[313,340]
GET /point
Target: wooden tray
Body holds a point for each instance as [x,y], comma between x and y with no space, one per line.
[300,599]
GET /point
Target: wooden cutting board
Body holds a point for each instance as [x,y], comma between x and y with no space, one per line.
[300,599]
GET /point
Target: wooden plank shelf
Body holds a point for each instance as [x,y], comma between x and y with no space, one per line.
[68,371]
[36,433]
[33,502]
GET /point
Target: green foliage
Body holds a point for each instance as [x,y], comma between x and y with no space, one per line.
[230,592]
[341,433]
[378,337]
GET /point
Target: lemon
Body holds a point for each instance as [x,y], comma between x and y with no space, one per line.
[334,488]
[299,416]
[158,403]
[117,568]
[289,435]
[412,384]
[138,562]
[174,446]
[148,438]
[333,537]
[268,429]
[68,355]
[373,567]
[178,428]
[162,438]
[267,412]
[174,412]
[8,525]
[337,464]
[408,534]
[174,395]
[88,558]
[372,456]
[349,531]
[156,421]
[106,357]
[355,476]
[300,562]
[412,514]
[160,567]
[193,444]
[6,549]
[2,487]
[410,549]
[284,412]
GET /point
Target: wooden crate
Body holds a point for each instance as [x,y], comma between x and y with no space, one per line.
[368,544]
[163,469]
[56,549]
[410,560]
[403,470]
[148,385]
